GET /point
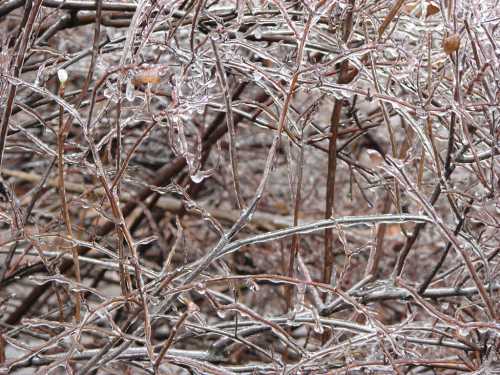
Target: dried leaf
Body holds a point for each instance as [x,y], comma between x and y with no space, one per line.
[415,8]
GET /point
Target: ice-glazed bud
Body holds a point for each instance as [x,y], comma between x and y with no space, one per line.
[62,75]
[150,74]
[451,44]
[147,76]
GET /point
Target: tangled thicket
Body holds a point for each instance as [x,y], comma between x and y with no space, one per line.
[249,186]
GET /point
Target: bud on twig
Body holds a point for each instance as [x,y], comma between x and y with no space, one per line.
[62,75]
[451,44]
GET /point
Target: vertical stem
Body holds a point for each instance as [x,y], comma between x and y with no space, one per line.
[119,237]
[233,155]
[330,189]
[296,238]
[64,204]
[18,64]
[332,153]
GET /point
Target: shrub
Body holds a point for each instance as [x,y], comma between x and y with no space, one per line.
[219,187]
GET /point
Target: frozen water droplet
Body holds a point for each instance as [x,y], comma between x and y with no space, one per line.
[464,332]
[108,93]
[252,285]
[482,330]
[333,278]
[130,91]
[221,314]
[291,319]
[346,93]
[211,83]
[258,33]
[421,113]
[318,327]
[199,177]
[257,76]
[201,288]
[301,292]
